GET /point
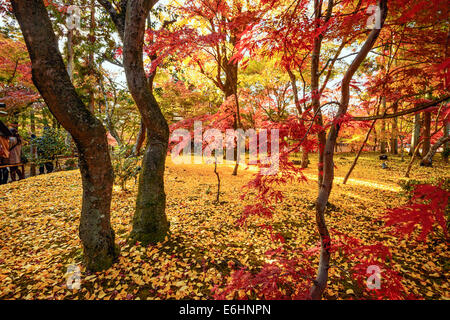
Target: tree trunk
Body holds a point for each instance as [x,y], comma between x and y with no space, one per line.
[426,132]
[426,161]
[375,139]
[218,179]
[139,140]
[305,157]
[383,143]
[447,144]
[108,115]
[415,133]
[320,282]
[33,150]
[394,133]
[315,100]
[52,80]
[150,223]
[416,151]
[359,153]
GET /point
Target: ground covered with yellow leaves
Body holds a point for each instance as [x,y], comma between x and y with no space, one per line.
[39,234]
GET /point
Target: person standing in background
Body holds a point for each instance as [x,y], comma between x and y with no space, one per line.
[15,151]
[4,155]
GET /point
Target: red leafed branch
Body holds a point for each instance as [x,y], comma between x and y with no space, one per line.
[425,211]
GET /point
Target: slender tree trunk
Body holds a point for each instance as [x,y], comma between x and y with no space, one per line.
[315,101]
[375,139]
[415,153]
[415,134]
[394,133]
[359,153]
[426,132]
[51,79]
[320,282]
[33,150]
[150,223]
[237,126]
[447,144]
[383,128]
[218,179]
[305,156]
[108,115]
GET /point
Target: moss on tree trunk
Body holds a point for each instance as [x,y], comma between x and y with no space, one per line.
[150,224]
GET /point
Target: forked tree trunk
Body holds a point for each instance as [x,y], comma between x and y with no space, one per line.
[320,282]
[51,79]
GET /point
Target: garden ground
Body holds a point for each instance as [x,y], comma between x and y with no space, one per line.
[39,238]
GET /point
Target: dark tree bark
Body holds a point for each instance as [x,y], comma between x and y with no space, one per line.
[320,282]
[447,144]
[139,140]
[426,132]
[33,150]
[51,79]
[394,132]
[315,78]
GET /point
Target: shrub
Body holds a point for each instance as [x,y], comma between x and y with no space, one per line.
[125,167]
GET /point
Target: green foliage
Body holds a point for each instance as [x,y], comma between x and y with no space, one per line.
[408,185]
[70,164]
[50,144]
[125,167]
